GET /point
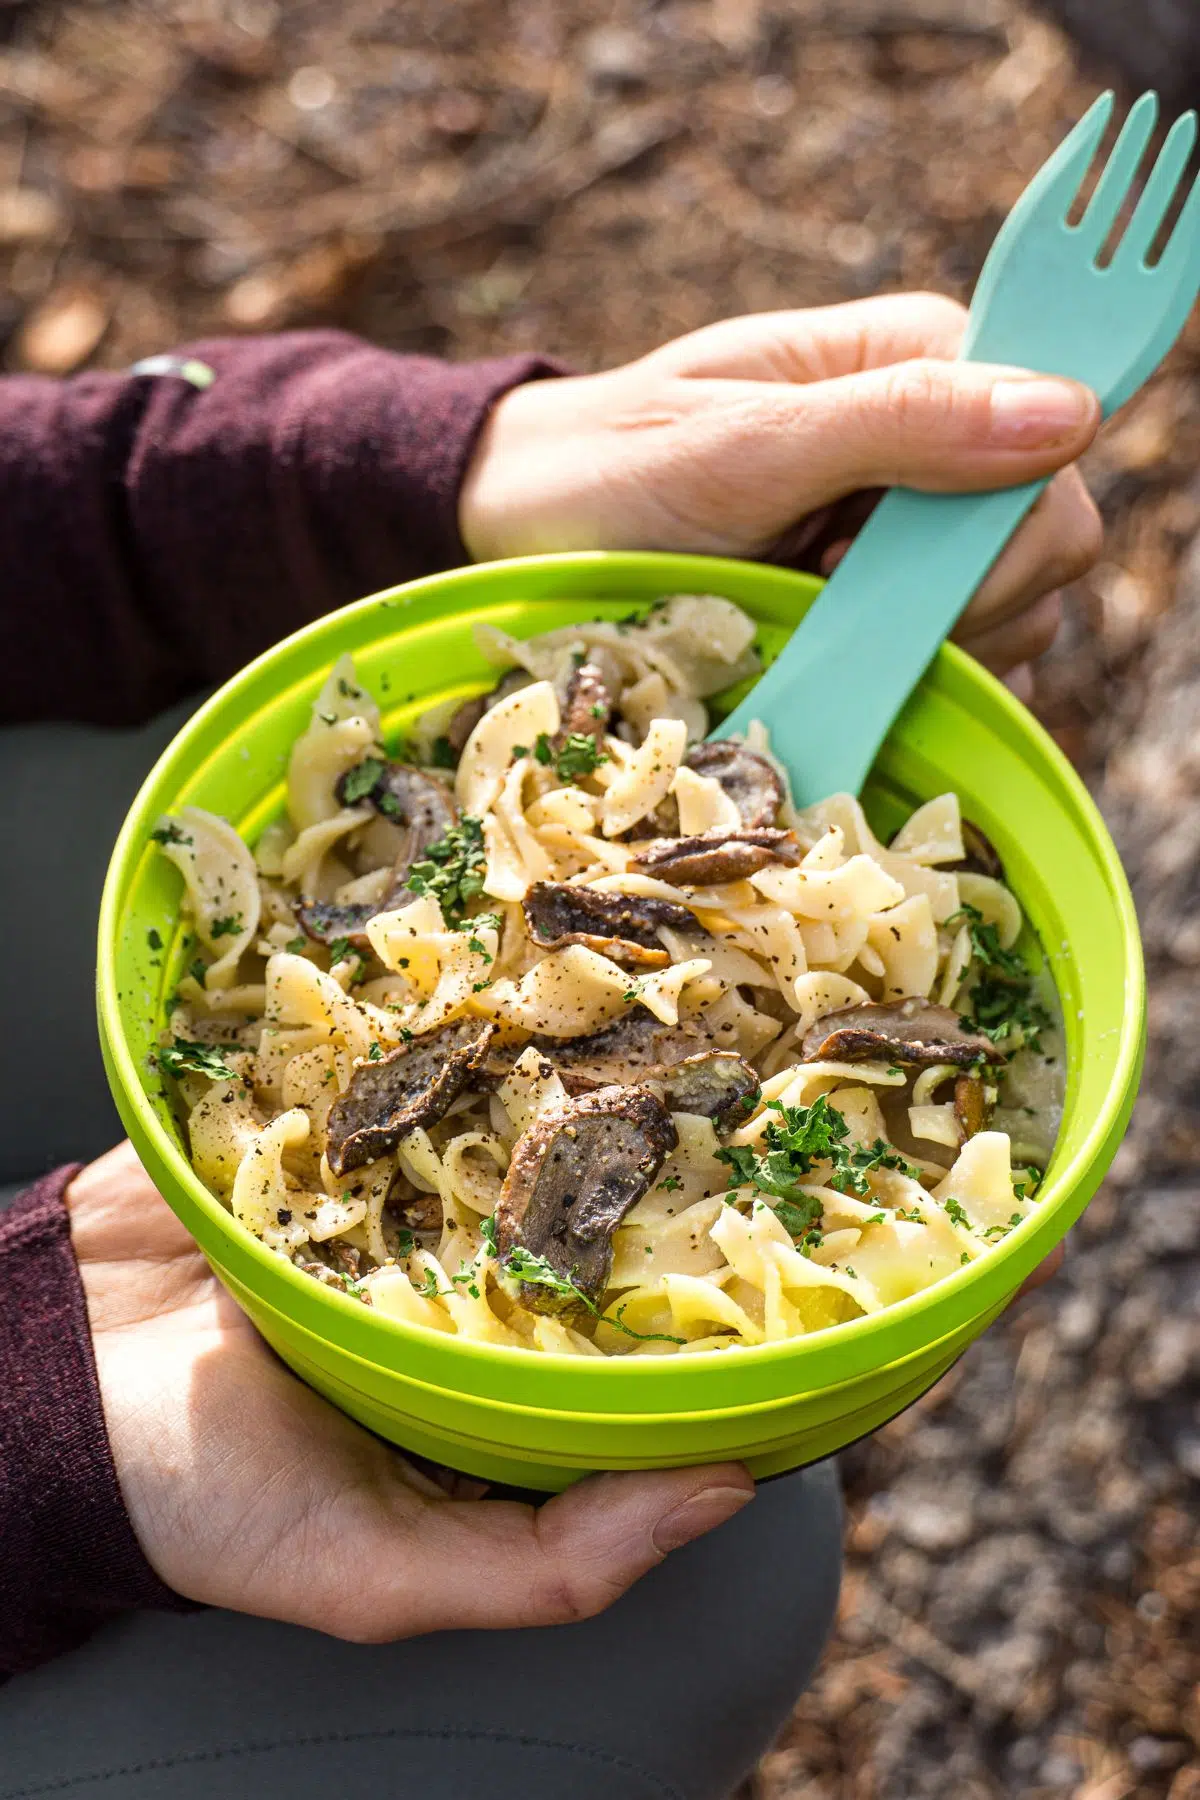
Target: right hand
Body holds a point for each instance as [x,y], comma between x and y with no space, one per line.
[725,440]
[247,1490]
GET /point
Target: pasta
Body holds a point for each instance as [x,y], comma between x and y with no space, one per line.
[566,1031]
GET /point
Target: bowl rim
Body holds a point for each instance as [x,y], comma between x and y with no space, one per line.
[680,573]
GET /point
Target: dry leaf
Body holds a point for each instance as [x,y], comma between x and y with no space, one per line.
[27,216]
[63,332]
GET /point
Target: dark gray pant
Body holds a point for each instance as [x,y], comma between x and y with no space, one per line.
[670,1695]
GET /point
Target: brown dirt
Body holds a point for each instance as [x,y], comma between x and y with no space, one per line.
[467,176]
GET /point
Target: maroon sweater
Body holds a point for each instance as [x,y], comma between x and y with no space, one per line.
[153,537]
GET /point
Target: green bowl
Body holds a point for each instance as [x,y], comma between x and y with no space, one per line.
[541,1421]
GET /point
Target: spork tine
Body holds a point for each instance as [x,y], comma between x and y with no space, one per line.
[1043,302]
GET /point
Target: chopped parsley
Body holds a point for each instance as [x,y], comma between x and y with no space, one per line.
[340,948]
[957,1215]
[671,1183]
[229,926]
[452,870]
[297,944]
[184,1057]
[441,754]
[488,1229]
[798,1220]
[800,1138]
[476,944]
[492,919]
[998,1231]
[406,1242]
[169,834]
[198,970]
[375,1053]
[524,1266]
[579,755]
[428,1288]
[1001,1000]
[360,782]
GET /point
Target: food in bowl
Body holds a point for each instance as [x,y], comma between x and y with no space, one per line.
[559,1028]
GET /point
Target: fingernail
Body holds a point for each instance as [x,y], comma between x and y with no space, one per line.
[1039,411]
[712,1506]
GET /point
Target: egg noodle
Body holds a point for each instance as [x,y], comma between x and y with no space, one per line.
[557,1028]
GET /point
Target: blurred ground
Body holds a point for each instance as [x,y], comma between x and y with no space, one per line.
[468,176]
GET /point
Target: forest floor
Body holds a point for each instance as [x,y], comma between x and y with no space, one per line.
[473,176]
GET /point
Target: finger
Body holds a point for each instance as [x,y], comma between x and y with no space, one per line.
[820,342]
[1059,541]
[741,461]
[1021,640]
[492,1564]
[946,427]
[1045,1271]
[1019,681]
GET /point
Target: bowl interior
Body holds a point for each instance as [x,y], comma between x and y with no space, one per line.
[414,646]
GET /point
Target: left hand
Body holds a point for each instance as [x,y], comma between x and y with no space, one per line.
[723,440]
[249,1491]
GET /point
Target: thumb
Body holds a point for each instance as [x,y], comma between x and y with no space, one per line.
[500,1564]
[942,426]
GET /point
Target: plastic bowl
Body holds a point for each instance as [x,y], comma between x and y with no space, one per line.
[541,1421]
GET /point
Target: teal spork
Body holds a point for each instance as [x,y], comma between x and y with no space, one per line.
[1044,303]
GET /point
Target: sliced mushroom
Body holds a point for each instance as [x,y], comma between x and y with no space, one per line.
[408,1087]
[623,927]
[587,706]
[330,1277]
[410,1207]
[716,1083]
[344,1258]
[751,783]
[407,796]
[631,1050]
[574,1175]
[913,1033]
[325,922]
[982,856]
[974,1103]
[463,722]
[417,804]
[715,857]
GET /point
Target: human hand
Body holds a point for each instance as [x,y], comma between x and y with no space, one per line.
[1045,1271]
[723,440]
[247,1490]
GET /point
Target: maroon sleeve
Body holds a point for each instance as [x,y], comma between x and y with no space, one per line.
[68,1555]
[156,534]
